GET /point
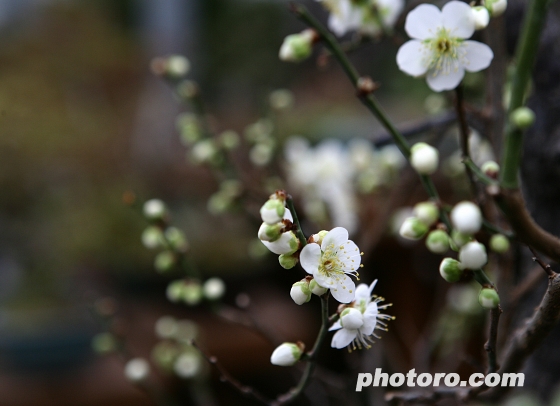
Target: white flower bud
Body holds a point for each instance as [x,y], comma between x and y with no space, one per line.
[522,117]
[300,292]
[286,354]
[273,211]
[152,237]
[270,233]
[288,243]
[450,270]
[204,151]
[229,139]
[261,154]
[174,290]
[187,365]
[426,212]
[499,243]
[192,292]
[489,298]
[413,229]
[473,255]
[155,209]
[213,288]
[318,238]
[287,261]
[481,17]
[317,289]
[281,99]
[165,261]
[424,158]
[351,319]
[438,242]
[137,370]
[490,168]
[177,66]
[466,218]
[297,47]
[166,327]
[176,239]
[496,7]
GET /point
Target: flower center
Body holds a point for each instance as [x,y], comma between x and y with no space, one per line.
[330,263]
[444,52]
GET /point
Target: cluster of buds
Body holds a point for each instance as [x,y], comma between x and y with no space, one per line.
[276,230]
[302,290]
[191,291]
[490,8]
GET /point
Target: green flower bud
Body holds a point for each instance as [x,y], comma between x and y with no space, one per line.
[165,261]
[450,270]
[104,343]
[458,240]
[164,355]
[426,212]
[192,293]
[219,203]
[522,117]
[297,47]
[287,261]
[270,233]
[174,290]
[489,298]
[317,289]
[300,292]
[176,238]
[152,237]
[189,128]
[229,139]
[438,242]
[499,243]
[273,211]
[413,229]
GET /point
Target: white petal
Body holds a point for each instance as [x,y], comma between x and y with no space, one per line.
[458,18]
[421,23]
[370,319]
[335,326]
[323,280]
[288,215]
[410,58]
[344,291]
[337,236]
[281,245]
[478,55]
[310,258]
[362,292]
[445,80]
[343,337]
[350,256]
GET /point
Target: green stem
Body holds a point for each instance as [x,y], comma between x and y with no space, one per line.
[487,180]
[525,56]
[299,232]
[483,279]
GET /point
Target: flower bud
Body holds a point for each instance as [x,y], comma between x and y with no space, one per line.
[317,289]
[174,290]
[213,288]
[177,66]
[164,261]
[192,292]
[351,319]
[187,89]
[413,229]
[164,355]
[204,151]
[473,255]
[318,238]
[103,343]
[288,243]
[466,218]
[491,169]
[176,239]
[287,261]
[270,233]
[496,7]
[152,237]
[286,354]
[499,243]
[229,139]
[281,99]
[522,117]
[137,370]
[489,298]
[424,158]
[297,47]
[155,209]
[458,240]
[438,242]
[273,211]
[189,128]
[426,212]
[300,292]
[481,17]
[166,327]
[187,365]
[450,270]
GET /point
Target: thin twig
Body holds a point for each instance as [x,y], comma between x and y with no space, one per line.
[299,231]
[490,345]
[546,267]
[464,137]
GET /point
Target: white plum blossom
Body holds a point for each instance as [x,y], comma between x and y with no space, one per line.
[358,321]
[369,17]
[286,354]
[439,48]
[331,262]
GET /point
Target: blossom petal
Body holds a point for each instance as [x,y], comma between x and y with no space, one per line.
[370,319]
[322,279]
[344,291]
[362,292]
[310,259]
[458,19]
[281,245]
[288,215]
[350,256]
[343,338]
[411,57]
[421,21]
[337,236]
[439,81]
[336,326]
[478,55]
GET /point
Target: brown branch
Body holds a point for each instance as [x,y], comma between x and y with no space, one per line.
[512,204]
[547,268]
[490,345]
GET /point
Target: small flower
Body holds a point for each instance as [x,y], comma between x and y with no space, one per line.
[331,262]
[439,48]
[286,354]
[473,255]
[188,365]
[359,320]
[490,168]
[466,218]
[424,158]
[300,292]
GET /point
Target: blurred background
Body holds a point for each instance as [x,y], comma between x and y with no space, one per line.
[87,134]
